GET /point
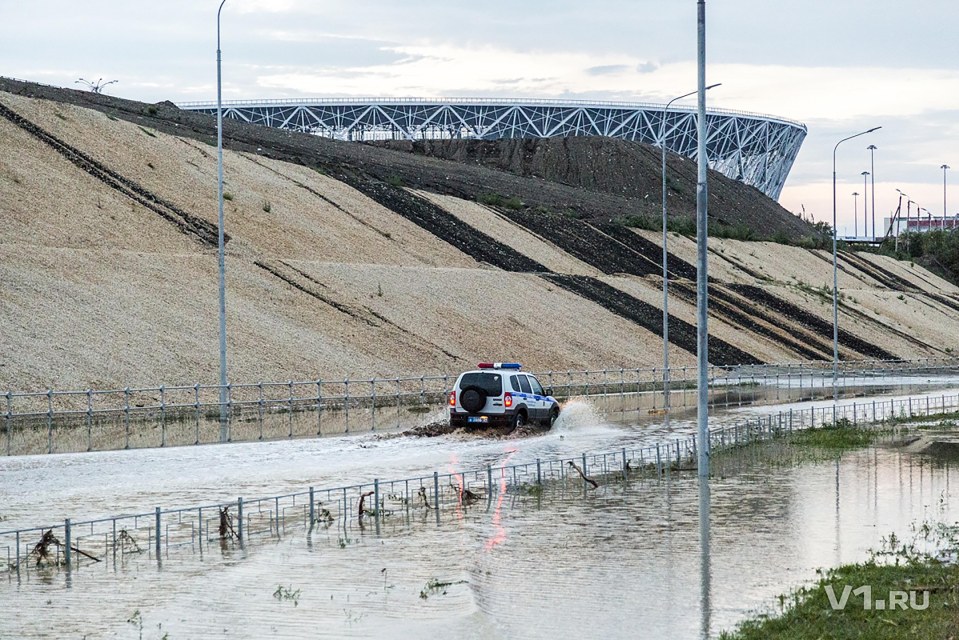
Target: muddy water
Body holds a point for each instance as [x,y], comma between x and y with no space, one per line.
[623,561]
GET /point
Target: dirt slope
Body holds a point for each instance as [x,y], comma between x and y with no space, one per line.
[621,168]
[337,269]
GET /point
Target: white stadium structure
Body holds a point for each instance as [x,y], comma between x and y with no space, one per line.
[756,149]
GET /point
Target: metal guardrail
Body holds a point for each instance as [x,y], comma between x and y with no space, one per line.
[159,533]
[55,421]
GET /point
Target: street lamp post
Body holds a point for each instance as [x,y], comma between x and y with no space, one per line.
[835,275]
[865,217]
[872,172]
[855,213]
[662,144]
[944,167]
[220,254]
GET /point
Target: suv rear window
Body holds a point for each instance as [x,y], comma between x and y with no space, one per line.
[491,383]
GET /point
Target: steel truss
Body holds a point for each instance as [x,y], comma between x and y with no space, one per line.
[755,149]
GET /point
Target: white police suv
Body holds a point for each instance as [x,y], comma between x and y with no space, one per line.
[499,394]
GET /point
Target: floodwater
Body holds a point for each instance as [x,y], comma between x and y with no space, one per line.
[620,561]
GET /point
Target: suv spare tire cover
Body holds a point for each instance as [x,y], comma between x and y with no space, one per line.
[473,399]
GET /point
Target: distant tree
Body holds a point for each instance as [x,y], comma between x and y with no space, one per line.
[95,87]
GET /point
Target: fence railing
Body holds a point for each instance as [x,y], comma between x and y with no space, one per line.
[54,421]
[158,533]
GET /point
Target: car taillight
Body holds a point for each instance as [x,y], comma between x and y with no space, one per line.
[508,399]
[452,398]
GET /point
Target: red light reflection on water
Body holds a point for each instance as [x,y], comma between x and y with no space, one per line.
[499,533]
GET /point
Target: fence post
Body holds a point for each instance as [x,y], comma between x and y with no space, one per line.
[10,428]
[625,467]
[436,495]
[346,403]
[162,416]
[126,414]
[196,412]
[49,420]
[319,407]
[158,532]
[239,519]
[584,468]
[376,504]
[539,472]
[69,543]
[373,406]
[312,509]
[489,480]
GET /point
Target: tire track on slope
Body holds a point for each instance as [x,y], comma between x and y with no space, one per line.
[187,223]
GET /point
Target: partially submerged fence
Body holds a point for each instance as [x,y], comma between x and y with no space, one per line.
[74,545]
[65,421]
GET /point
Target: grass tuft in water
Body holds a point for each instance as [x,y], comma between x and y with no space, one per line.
[287,594]
[435,586]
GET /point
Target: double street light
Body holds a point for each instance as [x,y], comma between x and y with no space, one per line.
[662,144]
[835,276]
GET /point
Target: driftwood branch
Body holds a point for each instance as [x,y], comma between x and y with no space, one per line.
[42,549]
[583,475]
[363,497]
[226,524]
[422,493]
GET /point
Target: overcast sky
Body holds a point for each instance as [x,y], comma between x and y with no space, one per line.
[839,66]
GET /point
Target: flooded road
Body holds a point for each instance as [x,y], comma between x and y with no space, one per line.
[43,490]
[622,561]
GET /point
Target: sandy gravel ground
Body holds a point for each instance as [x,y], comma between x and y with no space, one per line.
[98,291]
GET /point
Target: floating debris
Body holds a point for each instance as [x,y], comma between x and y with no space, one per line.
[583,475]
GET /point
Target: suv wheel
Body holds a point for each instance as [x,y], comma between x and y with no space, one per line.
[553,415]
[473,399]
[519,419]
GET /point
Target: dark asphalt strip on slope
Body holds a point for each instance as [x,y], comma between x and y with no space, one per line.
[730,311]
[814,323]
[681,333]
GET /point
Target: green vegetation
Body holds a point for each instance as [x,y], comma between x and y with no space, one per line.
[937,251]
[147,131]
[288,594]
[435,586]
[394,181]
[496,200]
[227,195]
[838,437]
[267,207]
[919,594]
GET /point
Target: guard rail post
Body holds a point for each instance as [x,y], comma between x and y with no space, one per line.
[67,543]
